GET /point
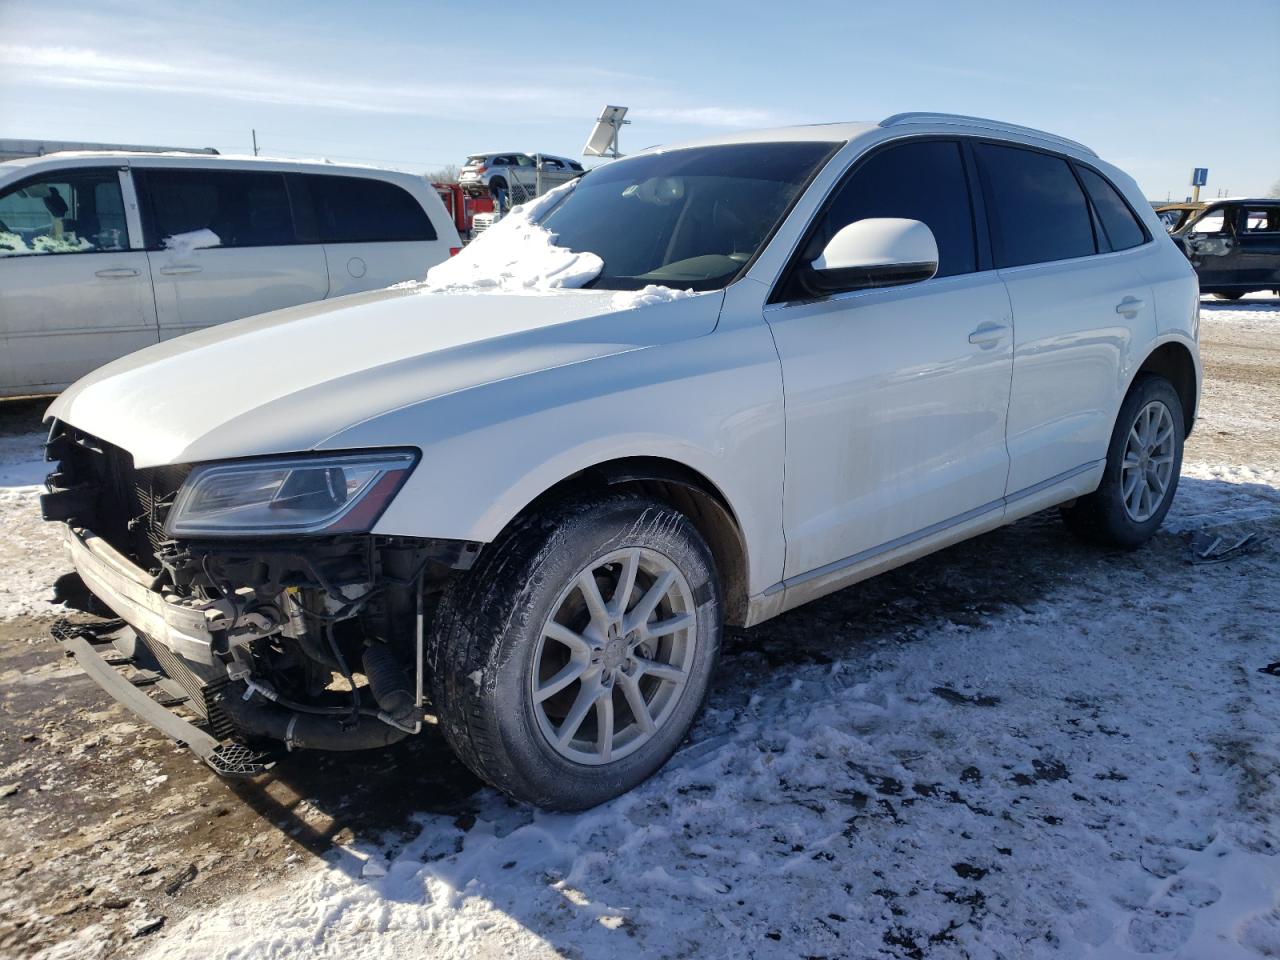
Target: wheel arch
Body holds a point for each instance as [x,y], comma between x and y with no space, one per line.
[1174,361]
[684,489]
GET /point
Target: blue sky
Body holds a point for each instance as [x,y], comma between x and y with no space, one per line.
[1157,87]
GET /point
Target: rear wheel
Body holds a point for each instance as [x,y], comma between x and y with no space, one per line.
[1144,461]
[568,665]
[1232,295]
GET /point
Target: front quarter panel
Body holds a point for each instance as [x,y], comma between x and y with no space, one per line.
[712,403]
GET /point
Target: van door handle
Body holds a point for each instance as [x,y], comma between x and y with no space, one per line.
[179,269]
[988,334]
[1129,307]
[114,272]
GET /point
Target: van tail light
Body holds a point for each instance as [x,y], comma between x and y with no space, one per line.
[454,251]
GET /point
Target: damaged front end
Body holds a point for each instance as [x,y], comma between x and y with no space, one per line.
[256,589]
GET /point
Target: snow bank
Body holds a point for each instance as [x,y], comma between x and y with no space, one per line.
[514,255]
[33,556]
[182,244]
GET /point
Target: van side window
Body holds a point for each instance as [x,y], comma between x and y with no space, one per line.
[360,210]
[923,180]
[72,211]
[1118,221]
[1036,208]
[243,208]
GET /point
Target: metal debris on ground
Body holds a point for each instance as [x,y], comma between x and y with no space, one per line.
[1216,547]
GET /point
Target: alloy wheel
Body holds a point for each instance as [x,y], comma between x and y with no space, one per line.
[607,674]
[1148,462]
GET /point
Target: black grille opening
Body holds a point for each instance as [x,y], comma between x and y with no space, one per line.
[131,504]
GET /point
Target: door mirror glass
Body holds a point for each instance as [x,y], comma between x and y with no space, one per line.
[876,252]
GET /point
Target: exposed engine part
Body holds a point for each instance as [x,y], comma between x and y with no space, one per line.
[390,682]
[308,731]
[283,614]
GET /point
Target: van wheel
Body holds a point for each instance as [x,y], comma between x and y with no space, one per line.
[570,662]
[1233,295]
[1141,476]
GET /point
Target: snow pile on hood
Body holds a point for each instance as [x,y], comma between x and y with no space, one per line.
[182,244]
[515,254]
[647,296]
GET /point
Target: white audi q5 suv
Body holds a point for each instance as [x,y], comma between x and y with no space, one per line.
[701,385]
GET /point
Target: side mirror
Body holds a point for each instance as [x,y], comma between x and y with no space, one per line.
[876,252]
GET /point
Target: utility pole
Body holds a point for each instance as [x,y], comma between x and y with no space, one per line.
[255,142]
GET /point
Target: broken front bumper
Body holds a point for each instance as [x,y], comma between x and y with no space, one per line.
[185,628]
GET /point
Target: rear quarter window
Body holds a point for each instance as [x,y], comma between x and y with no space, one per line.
[1119,223]
[362,210]
[1038,212]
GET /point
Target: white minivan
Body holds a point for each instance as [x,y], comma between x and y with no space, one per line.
[102,254]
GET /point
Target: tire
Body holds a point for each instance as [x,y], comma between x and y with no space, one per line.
[1108,516]
[1231,295]
[493,642]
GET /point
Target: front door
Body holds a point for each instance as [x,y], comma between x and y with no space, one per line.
[896,398]
[74,291]
[222,245]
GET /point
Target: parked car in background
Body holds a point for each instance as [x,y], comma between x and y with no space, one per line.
[104,253]
[515,173]
[1234,244]
[530,517]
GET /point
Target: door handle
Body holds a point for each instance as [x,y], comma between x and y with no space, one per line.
[180,269]
[988,334]
[1129,307]
[114,272]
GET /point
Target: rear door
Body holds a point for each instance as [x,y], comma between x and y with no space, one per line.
[1258,245]
[374,232]
[223,245]
[1077,308]
[74,288]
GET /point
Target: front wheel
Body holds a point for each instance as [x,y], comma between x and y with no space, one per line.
[1144,461]
[568,665]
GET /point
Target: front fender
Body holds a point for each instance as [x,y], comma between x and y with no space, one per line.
[711,403]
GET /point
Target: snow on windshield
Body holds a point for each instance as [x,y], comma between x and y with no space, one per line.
[515,254]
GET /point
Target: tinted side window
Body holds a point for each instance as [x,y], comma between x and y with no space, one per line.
[357,210]
[244,208]
[1035,205]
[924,181]
[1118,221]
[71,211]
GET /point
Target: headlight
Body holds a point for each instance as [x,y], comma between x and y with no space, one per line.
[342,494]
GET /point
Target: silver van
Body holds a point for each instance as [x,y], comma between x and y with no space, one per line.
[102,254]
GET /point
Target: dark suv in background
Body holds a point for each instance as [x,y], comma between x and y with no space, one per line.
[1234,245]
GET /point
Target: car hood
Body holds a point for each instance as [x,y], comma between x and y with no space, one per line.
[288,380]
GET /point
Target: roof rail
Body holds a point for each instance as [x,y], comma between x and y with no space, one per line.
[996,126]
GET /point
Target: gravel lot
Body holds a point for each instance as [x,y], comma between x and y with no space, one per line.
[1017,747]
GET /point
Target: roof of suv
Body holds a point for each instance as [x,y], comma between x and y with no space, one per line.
[843,132]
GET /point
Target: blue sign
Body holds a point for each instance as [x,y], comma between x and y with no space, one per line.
[1199,176]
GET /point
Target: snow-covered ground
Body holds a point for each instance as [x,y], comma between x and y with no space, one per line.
[1020,748]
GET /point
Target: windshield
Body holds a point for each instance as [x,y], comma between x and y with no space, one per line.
[690,218]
